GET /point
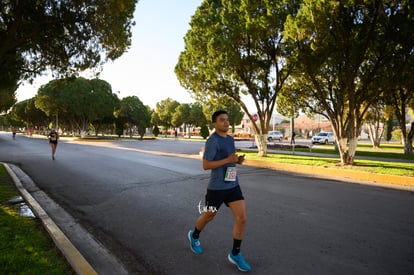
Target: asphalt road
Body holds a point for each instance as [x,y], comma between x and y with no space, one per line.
[140,205]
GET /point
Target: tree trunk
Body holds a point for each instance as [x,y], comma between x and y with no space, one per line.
[375,134]
[347,150]
[408,150]
[341,145]
[261,141]
[408,146]
[352,145]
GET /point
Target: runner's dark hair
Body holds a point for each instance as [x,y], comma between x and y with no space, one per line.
[216,114]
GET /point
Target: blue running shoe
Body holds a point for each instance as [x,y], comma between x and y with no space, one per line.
[239,261]
[194,243]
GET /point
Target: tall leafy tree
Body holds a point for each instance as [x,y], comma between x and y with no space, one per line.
[18,111]
[62,36]
[26,112]
[342,51]
[398,81]
[49,97]
[164,111]
[155,119]
[9,121]
[197,117]
[181,116]
[77,102]
[402,101]
[235,115]
[236,48]
[105,104]
[134,113]
[191,115]
[224,103]
[8,89]
[144,121]
[374,119]
[10,75]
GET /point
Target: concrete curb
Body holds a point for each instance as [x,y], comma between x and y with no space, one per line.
[79,264]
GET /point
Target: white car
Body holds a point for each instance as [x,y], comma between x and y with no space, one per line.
[275,135]
[324,138]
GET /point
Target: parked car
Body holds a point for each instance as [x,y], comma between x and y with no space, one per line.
[275,135]
[323,138]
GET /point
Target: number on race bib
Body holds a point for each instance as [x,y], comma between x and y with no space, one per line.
[231,174]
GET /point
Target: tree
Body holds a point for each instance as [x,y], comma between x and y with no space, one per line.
[144,121]
[204,132]
[402,99]
[197,117]
[48,97]
[77,102]
[155,119]
[61,36]
[164,111]
[342,50]
[181,116]
[374,119]
[287,104]
[224,103]
[134,113]
[398,81]
[8,121]
[389,125]
[236,48]
[235,115]
[191,115]
[7,92]
[119,124]
[26,112]
[156,131]
[105,103]
[18,111]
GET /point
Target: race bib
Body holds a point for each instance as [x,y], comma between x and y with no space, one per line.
[230,174]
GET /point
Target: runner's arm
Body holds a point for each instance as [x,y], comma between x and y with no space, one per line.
[213,164]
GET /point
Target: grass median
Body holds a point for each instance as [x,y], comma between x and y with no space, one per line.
[25,247]
[371,166]
[398,164]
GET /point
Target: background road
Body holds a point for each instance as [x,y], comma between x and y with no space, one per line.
[141,206]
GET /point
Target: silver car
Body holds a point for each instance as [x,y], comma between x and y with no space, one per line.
[275,135]
[323,138]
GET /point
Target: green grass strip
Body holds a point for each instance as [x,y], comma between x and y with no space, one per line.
[25,247]
[373,166]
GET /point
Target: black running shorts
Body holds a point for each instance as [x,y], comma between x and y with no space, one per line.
[215,198]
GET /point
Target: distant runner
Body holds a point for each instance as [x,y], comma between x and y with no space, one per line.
[53,140]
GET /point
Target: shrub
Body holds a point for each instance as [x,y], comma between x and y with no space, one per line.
[204,132]
[396,134]
[156,131]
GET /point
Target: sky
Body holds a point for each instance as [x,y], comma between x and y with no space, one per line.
[146,70]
